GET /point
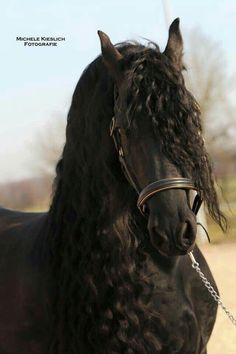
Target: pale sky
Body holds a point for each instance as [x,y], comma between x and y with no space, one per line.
[36,82]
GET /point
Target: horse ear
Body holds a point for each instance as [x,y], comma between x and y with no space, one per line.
[111,56]
[174,47]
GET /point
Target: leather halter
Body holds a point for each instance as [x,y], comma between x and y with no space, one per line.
[161,185]
[155,187]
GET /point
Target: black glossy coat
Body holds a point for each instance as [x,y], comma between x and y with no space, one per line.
[25,291]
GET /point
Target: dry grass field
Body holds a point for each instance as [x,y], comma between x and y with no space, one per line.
[222,261]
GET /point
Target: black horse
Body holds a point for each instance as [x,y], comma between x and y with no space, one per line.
[94,274]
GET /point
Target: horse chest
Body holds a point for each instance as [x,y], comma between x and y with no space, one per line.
[181,327]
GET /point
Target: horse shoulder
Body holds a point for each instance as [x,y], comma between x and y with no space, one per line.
[200,300]
[24,282]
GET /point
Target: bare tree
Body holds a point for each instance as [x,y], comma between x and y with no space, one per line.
[208,78]
[47,146]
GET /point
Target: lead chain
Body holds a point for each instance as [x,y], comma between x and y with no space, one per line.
[210,288]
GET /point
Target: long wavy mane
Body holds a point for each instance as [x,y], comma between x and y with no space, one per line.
[98,240]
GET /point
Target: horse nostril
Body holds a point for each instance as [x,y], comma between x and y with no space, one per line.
[158,239]
[184,234]
[161,237]
[187,234]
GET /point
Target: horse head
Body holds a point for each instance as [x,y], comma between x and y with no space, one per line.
[154,116]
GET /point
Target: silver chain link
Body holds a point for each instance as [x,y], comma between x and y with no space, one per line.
[210,288]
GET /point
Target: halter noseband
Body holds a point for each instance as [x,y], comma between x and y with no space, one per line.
[155,187]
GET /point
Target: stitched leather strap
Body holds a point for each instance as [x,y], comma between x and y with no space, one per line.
[161,185]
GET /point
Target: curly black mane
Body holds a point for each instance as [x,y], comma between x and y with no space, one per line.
[98,239]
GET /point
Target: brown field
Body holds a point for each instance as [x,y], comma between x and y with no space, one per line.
[222,261]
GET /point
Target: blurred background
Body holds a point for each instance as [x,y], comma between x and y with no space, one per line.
[37,84]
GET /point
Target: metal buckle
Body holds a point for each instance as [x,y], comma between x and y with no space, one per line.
[121,152]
